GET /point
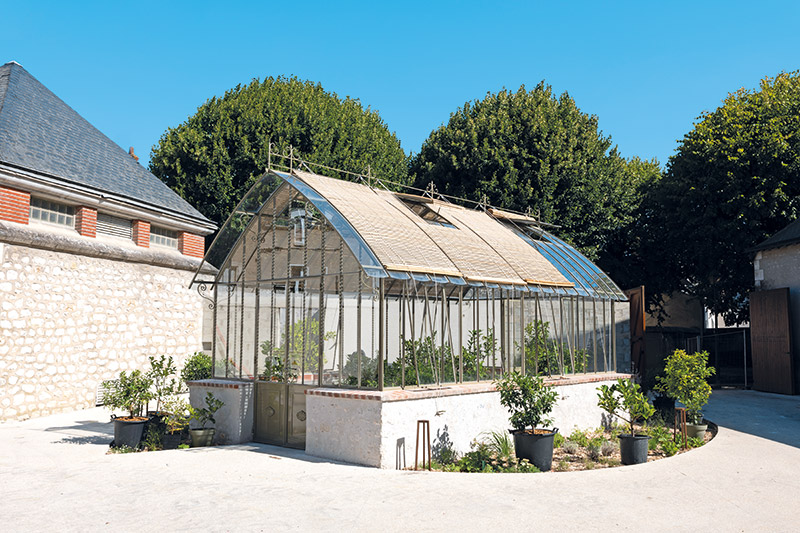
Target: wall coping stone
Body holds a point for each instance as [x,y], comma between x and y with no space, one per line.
[458,389]
[16,234]
[221,383]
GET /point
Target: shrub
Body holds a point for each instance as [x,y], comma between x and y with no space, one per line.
[130,392]
[625,396]
[527,398]
[198,366]
[685,380]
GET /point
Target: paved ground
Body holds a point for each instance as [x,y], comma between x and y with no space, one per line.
[55,476]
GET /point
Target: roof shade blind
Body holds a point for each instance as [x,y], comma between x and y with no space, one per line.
[114,226]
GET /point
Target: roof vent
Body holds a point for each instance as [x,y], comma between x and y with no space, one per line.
[134,156]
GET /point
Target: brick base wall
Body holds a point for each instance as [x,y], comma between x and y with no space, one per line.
[86,221]
[191,244]
[15,206]
[141,233]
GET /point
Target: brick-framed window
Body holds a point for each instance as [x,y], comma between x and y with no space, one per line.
[52,213]
[163,237]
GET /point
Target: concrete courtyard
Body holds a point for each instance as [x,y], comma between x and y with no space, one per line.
[55,476]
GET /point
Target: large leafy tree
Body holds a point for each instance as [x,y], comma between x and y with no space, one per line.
[216,154]
[734,181]
[533,150]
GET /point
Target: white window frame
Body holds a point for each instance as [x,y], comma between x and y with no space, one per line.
[52,213]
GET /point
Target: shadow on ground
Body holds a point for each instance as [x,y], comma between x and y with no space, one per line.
[771,416]
[85,432]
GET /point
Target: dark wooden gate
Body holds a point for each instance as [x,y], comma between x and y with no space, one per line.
[636,299]
[771,340]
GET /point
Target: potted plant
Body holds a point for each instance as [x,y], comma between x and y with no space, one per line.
[129,393]
[203,436]
[684,379]
[176,420]
[623,397]
[162,374]
[529,401]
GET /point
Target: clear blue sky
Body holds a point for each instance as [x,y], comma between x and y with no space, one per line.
[646,69]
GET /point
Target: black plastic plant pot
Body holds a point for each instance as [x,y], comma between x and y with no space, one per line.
[535,447]
[128,432]
[171,441]
[633,449]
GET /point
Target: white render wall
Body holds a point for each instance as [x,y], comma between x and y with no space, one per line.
[70,321]
[234,420]
[379,433]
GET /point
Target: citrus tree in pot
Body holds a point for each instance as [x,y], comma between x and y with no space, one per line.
[626,398]
[684,379]
[529,401]
[128,393]
[176,420]
[203,436]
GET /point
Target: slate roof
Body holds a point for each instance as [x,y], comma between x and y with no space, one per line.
[41,133]
[788,235]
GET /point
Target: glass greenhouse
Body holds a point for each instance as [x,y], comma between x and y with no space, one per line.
[329,283]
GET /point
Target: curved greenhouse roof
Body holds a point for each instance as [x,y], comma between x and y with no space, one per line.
[406,236]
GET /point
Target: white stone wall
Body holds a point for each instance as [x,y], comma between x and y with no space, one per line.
[234,420]
[70,321]
[383,433]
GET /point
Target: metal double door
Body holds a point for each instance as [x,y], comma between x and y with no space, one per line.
[281,414]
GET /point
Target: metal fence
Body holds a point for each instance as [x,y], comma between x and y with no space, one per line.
[729,353]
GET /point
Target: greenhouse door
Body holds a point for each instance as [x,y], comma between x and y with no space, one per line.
[281,414]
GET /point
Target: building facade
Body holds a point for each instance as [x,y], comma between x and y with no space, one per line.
[96,257]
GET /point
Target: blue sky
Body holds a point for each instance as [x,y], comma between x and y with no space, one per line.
[646,69]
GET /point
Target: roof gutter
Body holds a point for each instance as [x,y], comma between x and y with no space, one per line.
[58,188]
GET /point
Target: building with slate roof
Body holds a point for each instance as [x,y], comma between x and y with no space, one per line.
[96,256]
[775,312]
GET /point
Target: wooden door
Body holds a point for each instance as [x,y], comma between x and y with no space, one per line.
[636,301]
[771,341]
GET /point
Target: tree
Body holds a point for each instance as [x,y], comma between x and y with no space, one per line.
[532,150]
[734,181]
[216,154]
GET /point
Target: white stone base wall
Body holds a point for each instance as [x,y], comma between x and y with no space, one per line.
[234,420]
[379,429]
[69,321]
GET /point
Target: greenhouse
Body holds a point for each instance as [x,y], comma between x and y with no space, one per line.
[330,284]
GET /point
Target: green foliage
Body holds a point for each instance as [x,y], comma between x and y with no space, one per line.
[626,401]
[203,415]
[684,379]
[558,440]
[734,181]
[177,417]
[303,353]
[542,352]
[130,392]
[153,437]
[162,374]
[531,149]
[197,367]
[213,157]
[527,398]
[493,456]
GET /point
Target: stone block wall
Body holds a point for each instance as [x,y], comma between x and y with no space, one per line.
[70,321]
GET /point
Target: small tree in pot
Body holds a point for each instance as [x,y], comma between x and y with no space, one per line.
[128,393]
[530,402]
[203,436]
[684,379]
[623,397]
[176,420]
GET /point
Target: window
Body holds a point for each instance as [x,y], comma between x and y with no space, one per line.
[424,211]
[114,226]
[52,213]
[163,237]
